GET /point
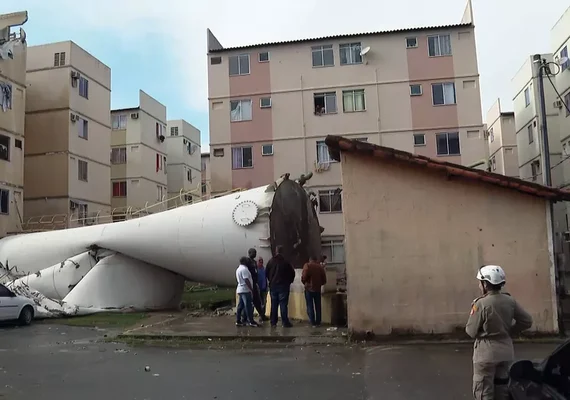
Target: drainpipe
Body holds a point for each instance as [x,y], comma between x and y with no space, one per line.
[378,104]
[477,163]
[304,130]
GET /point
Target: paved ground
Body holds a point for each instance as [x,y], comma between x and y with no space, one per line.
[64,363]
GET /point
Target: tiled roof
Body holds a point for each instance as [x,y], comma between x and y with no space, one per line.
[344,36]
[338,144]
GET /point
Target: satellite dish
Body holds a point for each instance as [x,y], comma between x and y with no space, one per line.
[364,50]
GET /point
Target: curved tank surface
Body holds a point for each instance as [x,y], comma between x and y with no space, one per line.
[142,263]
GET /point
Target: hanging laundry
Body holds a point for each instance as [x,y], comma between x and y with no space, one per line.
[5,96]
[7,49]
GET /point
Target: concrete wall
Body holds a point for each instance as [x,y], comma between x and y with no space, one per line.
[12,73]
[415,242]
[502,141]
[184,160]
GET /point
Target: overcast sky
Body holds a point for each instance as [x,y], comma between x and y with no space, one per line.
[160,46]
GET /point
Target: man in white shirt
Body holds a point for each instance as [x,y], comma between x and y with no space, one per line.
[244,291]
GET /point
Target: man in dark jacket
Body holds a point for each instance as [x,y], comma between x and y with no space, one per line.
[280,274]
[252,267]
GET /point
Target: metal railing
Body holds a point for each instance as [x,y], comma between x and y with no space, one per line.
[63,221]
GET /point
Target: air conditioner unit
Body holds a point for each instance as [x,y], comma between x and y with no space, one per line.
[135,115]
[557,104]
[75,75]
[74,117]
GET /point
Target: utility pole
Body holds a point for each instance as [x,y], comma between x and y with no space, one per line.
[542,67]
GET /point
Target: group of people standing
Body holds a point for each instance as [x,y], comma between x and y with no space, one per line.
[255,281]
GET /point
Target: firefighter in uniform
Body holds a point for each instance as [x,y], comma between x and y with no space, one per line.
[495,317]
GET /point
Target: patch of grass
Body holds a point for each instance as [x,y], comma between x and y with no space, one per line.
[207,298]
[102,320]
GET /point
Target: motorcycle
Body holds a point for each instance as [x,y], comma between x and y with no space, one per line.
[546,380]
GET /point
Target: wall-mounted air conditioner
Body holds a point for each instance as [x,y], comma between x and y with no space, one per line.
[557,104]
[74,117]
[135,115]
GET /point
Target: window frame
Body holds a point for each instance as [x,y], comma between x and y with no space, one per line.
[116,157]
[535,169]
[415,46]
[448,154]
[417,85]
[266,154]
[79,169]
[250,147]
[83,128]
[238,56]
[7,204]
[442,84]
[259,57]
[321,49]
[354,93]
[331,196]
[174,131]
[83,87]
[118,118]
[530,133]
[332,243]
[527,99]
[418,135]
[240,101]
[439,45]
[267,105]
[567,101]
[120,185]
[330,160]
[8,146]
[349,49]
[324,95]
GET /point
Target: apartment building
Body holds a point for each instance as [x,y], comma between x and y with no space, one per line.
[138,157]
[68,134]
[271,106]
[560,42]
[502,140]
[528,123]
[13,54]
[206,176]
[183,163]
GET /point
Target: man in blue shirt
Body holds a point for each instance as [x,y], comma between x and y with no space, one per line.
[262,282]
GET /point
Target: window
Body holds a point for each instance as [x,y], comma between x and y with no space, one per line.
[448,144]
[83,128]
[353,100]
[82,170]
[334,250]
[263,56]
[119,122]
[491,135]
[439,45]
[174,131]
[4,148]
[564,54]
[160,192]
[218,152]
[160,130]
[83,87]
[265,102]
[363,139]
[4,201]
[443,93]
[203,165]
[5,292]
[419,139]
[239,65]
[164,164]
[323,155]
[215,60]
[204,188]
[325,103]
[493,164]
[323,56]
[267,150]
[527,97]
[6,94]
[242,157]
[120,189]
[567,102]
[416,90]
[119,155]
[59,59]
[189,175]
[530,134]
[330,201]
[411,43]
[240,110]
[350,53]
[18,144]
[535,169]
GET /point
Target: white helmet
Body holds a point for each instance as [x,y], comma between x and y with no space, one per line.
[492,274]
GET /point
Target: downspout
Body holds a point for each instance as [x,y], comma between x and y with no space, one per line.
[378,105]
[477,163]
[304,127]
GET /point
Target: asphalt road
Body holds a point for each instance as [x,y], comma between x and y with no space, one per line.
[57,362]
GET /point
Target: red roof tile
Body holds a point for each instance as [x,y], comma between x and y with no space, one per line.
[338,144]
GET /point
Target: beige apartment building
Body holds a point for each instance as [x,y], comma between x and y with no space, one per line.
[139,158]
[183,162]
[206,177]
[271,106]
[502,139]
[13,53]
[68,134]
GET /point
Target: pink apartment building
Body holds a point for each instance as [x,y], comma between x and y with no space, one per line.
[271,106]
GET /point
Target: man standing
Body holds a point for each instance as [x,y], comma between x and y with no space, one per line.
[491,325]
[244,290]
[280,274]
[262,283]
[314,278]
[252,266]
